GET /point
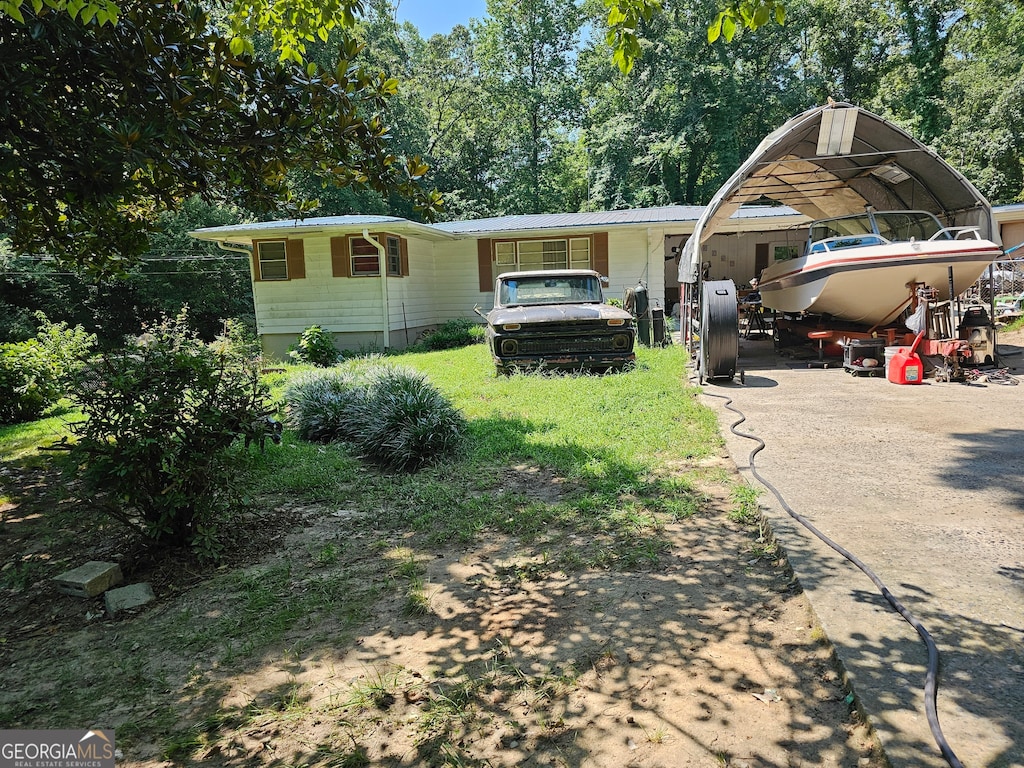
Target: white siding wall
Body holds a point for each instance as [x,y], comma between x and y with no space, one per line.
[633,255]
[457,281]
[411,298]
[336,304]
[443,284]
[348,305]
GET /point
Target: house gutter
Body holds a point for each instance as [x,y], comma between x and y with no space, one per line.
[382,260]
[226,246]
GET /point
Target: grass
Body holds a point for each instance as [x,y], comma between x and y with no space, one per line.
[22,443]
[610,440]
[585,471]
[1016,325]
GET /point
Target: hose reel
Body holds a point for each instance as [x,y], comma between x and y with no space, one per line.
[719,331]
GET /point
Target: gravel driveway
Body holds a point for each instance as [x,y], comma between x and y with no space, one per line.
[925,484]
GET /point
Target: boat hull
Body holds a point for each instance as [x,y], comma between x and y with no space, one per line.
[871,284]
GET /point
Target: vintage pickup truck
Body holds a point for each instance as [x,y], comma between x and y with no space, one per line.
[557,319]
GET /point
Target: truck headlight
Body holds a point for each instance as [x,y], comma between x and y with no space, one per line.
[509,347]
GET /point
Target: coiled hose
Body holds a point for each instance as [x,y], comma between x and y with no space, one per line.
[931,677]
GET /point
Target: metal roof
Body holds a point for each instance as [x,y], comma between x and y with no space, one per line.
[245,233]
[663,215]
[835,160]
[684,215]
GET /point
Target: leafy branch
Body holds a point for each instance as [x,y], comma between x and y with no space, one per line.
[626,16]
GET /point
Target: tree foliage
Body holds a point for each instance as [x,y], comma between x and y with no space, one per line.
[102,126]
[176,271]
[626,19]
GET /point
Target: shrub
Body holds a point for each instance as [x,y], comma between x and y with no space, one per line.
[33,373]
[455,333]
[27,382]
[240,339]
[391,415]
[316,347]
[160,416]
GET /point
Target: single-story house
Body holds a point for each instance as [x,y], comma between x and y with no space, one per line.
[378,282]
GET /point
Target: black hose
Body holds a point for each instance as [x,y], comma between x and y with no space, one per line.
[931,678]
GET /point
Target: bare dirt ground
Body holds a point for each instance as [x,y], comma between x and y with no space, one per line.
[710,658]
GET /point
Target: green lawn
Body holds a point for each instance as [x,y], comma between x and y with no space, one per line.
[585,472]
[611,440]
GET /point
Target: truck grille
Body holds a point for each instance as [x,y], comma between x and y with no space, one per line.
[574,344]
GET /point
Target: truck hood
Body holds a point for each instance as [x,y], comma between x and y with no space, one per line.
[556,313]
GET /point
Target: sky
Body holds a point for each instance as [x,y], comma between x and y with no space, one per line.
[433,17]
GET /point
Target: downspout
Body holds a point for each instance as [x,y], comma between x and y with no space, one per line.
[247,250]
[383,262]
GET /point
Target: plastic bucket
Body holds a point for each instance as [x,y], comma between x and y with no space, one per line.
[890,353]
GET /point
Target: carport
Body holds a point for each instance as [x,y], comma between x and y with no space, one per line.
[921,483]
[835,160]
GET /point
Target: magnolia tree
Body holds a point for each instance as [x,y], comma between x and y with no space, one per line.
[112,112]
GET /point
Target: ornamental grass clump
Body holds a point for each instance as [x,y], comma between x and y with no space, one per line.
[405,421]
[320,405]
[391,415]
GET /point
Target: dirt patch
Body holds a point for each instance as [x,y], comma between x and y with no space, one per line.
[407,653]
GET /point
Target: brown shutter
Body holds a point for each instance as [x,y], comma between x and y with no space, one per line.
[483,261]
[341,261]
[600,261]
[296,255]
[405,256]
[256,261]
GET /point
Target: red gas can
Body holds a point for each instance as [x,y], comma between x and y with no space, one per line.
[906,366]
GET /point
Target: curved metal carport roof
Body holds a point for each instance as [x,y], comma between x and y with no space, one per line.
[833,161]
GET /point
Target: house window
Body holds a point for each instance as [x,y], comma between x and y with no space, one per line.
[365,259]
[273,260]
[505,257]
[521,255]
[393,247]
[579,253]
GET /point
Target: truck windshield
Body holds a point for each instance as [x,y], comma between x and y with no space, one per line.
[524,291]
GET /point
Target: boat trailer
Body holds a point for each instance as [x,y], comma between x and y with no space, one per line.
[956,338]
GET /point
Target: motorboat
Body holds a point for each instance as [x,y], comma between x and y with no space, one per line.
[866,268]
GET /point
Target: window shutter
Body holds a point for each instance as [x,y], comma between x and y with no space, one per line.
[405,257]
[341,264]
[483,261]
[256,262]
[296,259]
[599,260]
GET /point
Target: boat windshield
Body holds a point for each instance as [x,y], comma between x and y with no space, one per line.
[524,291]
[865,229]
[904,225]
